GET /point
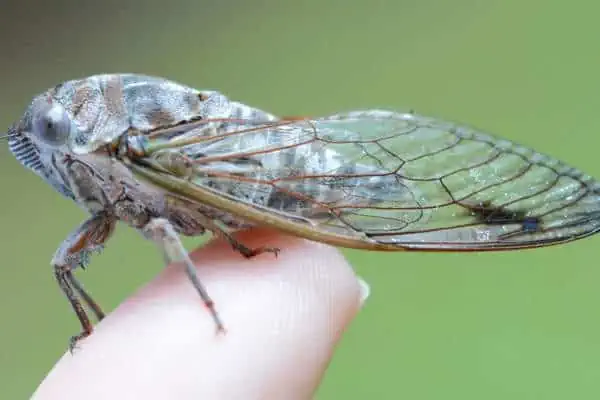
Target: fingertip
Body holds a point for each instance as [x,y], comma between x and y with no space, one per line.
[302,301]
[282,314]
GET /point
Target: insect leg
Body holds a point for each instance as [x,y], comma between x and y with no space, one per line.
[237,246]
[241,248]
[163,234]
[182,211]
[74,252]
[96,309]
[62,274]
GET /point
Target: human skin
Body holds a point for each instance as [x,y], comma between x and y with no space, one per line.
[283,317]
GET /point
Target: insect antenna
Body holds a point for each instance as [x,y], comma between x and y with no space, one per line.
[11,132]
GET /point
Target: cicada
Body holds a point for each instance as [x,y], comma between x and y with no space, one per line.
[170,160]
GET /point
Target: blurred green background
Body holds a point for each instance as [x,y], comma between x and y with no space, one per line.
[518,325]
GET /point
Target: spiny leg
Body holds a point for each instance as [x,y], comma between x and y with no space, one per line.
[247,251]
[62,277]
[96,309]
[238,246]
[73,252]
[163,234]
[215,228]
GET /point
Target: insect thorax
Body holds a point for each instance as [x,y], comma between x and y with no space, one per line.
[103,108]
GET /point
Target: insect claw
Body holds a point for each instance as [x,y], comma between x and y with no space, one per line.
[74,341]
[249,253]
[273,250]
[221,330]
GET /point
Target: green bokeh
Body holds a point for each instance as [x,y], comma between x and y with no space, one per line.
[518,325]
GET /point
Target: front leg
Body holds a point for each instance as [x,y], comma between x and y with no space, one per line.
[73,252]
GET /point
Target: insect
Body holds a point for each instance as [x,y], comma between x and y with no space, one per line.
[170,160]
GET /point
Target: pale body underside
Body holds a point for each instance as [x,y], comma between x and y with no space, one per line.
[166,159]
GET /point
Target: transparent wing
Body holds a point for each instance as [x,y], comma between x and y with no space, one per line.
[397,179]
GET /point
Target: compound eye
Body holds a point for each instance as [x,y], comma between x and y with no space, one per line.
[53,125]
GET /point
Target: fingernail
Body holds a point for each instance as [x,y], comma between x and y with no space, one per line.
[365,290]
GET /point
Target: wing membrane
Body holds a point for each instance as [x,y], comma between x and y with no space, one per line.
[396,179]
